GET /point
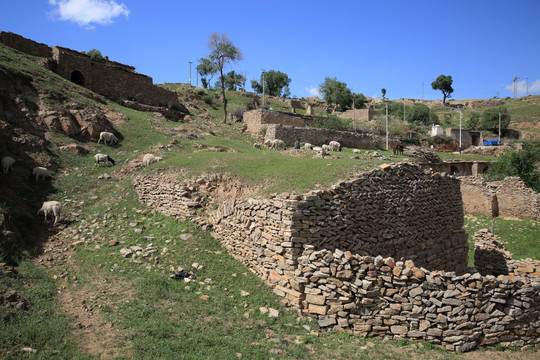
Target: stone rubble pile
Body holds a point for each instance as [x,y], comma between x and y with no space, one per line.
[490,256]
[422,155]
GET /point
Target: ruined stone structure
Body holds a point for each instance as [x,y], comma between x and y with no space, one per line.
[360,115]
[256,120]
[459,167]
[383,255]
[108,78]
[510,199]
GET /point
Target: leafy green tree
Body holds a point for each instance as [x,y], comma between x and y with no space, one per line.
[383,92]
[473,120]
[443,83]
[95,56]
[222,52]
[276,84]
[332,122]
[359,100]
[233,81]
[256,87]
[490,119]
[206,70]
[518,163]
[420,113]
[336,94]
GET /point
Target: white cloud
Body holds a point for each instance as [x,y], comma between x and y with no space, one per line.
[522,87]
[312,91]
[88,12]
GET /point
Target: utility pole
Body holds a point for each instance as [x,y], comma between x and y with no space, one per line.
[196,72]
[403,109]
[387,125]
[499,128]
[353,114]
[527,86]
[422,91]
[515,86]
[190,62]
[263,84]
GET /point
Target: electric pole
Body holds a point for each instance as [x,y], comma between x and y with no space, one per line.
[527,86]
[190,62]
[422,91]
[263,85]
[499,128]
[387,125]
[515,86]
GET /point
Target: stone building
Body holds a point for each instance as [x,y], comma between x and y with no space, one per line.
[108,78]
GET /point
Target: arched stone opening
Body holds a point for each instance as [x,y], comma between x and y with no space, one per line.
[77,77]
[454,170]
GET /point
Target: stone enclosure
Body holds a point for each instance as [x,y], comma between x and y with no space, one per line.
[382,255]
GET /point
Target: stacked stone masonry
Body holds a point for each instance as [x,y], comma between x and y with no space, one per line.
[509,199]
[108,78]
[383,255]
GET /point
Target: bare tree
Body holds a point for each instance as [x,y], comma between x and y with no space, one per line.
[223,52]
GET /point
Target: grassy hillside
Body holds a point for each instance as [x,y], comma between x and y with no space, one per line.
[83,299]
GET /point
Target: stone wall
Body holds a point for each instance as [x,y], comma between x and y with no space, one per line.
[25,45]
[363,115]
[511,199]
[258,119]
[110,79]
[374,255]
[478,197]
[319,137]
[516,200]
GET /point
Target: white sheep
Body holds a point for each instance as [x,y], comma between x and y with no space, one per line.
[334,146]
[356,151]
[7,163]
[257,146]
[308,146]
[41,171]
[317,148]
[150,158]
[326,147]
[103,158]
[51,207]
[275,144]
[108,138]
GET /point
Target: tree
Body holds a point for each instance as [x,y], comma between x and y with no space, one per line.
[383,92]
[420,113]
[490,119]
[233,81]
[95,56]
[222,52]
[206,70]
[276,84]
[473,120]
[336,94]
[443,83]
[359,100]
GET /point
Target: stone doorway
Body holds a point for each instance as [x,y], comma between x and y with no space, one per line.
[78,78]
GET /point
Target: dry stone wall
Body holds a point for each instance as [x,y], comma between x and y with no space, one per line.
[319,137]
[383,255]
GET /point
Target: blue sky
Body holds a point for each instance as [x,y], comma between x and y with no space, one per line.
[370,45]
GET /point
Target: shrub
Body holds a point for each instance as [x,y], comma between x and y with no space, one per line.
[208,99]
[332,122]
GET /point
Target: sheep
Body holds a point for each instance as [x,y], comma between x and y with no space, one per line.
[326,147]
[108,138]
[150,158]
[356,151]
[275,144]
[317,148]
[7,163]
[257,146]
[334,146]
[51,207]
[103,158]
[308,146]
[41,171]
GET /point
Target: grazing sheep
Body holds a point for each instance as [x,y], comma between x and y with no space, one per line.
[51,207]
[356,151]
[257,146]
[41,171]
[7,163]
[326,147]
[317,148]
[108,138]
[103,158]
[150,158]
[308,146]
[275,144]
[334,146]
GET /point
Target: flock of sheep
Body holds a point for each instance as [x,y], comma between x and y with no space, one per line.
[54,208]
[277,144]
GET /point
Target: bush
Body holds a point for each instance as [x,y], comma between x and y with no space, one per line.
[333,122]
[208,99]
[473,120]
[518,163]
[490,119]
